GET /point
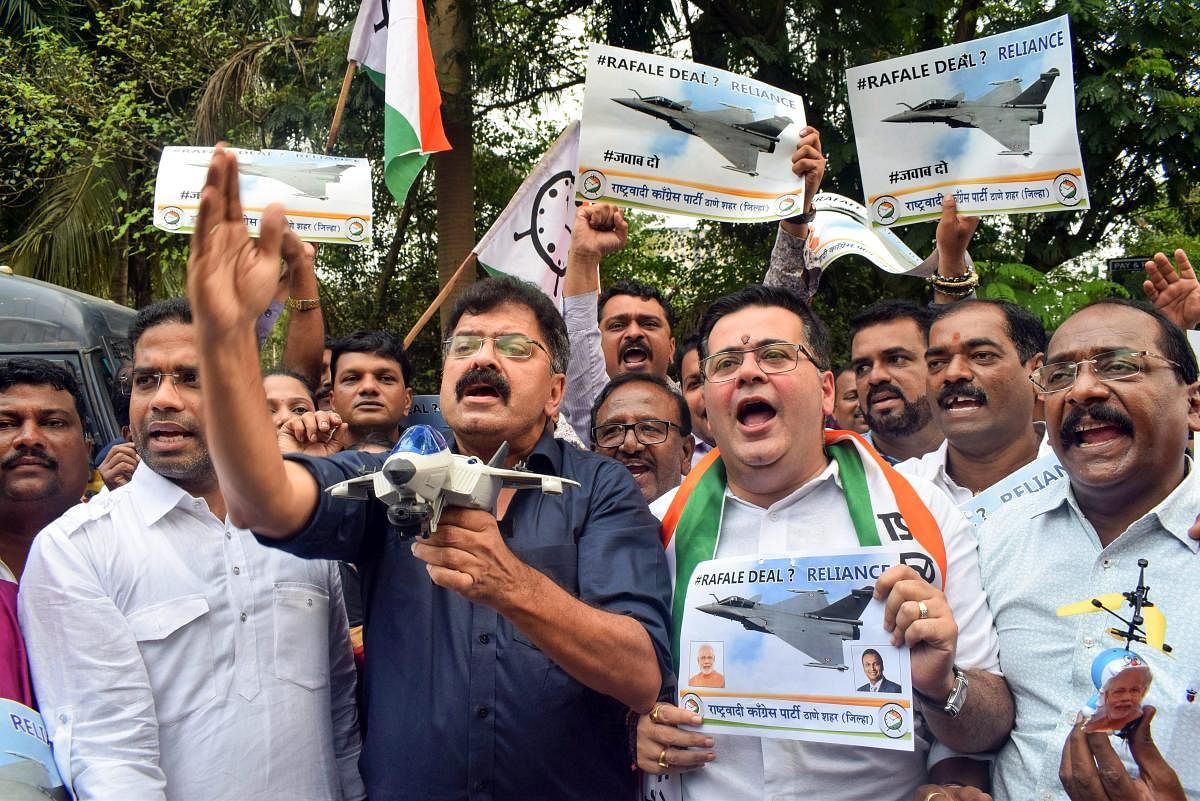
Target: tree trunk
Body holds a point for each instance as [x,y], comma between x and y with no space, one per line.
[454,179]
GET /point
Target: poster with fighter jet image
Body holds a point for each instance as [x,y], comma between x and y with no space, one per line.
[794,648]
[672,136]
[990,123]
[326,198]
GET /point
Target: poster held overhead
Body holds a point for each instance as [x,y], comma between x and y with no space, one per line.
[673,136]
[990,123]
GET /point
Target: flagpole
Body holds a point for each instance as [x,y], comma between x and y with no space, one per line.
[469,261]
[341,106]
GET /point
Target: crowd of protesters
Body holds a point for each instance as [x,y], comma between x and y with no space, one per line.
[215,624]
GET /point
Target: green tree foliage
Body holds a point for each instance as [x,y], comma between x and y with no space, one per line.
[94,91]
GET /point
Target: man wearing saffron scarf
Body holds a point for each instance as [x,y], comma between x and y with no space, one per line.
[779,483]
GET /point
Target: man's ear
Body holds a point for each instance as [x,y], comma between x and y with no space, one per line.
[689,446]
[1193,399]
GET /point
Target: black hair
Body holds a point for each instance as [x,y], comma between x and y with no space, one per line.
[690,343]
[312,395]
[483,296]
[684,414]
[1172,341]
[638,290]
[171,310]
[760,295]
[869,652]
[1023,327]
[27,371]
[885,311]
[377,343]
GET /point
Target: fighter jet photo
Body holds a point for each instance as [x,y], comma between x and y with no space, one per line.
[1005,113]
[731,131]
[806,622]
[306,180]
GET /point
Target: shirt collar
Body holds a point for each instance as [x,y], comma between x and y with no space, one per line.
[546,456]
[1175,513]
[830,473]
[156,495]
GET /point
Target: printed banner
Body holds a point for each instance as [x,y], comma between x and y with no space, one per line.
[27,768]
[326,198]
[990,123]
[841,228]
[673,136]
[1034,477]
[793,647]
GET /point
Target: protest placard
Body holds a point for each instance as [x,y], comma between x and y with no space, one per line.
[841,228]
[669,135]
[990,123]
[27,768]
[326,198]
[794,647]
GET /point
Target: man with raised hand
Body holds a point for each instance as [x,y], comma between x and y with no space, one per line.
[504,651]
[1121,399]
[628,327]
[778,484]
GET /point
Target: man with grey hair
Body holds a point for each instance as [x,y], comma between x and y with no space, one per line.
[505,648]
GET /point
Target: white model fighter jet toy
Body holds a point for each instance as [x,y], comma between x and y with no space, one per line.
[421,477]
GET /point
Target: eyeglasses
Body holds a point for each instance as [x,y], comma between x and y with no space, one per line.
[147,381]
[1115,365]
[510,346]
[774,357]
[647,432]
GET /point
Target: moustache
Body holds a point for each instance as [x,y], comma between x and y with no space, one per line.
[879,389]
[485,376]
[1101,414]
[963,389]
[24,452]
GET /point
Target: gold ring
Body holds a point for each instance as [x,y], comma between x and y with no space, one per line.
[663,763]
[935,794]
[924,612]
[654,713]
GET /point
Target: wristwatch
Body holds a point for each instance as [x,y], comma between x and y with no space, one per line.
[958,693]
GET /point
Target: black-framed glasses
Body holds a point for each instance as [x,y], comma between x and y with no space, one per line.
[510,346]
[774,357]
[647,432]
[1113,365]
[147,381]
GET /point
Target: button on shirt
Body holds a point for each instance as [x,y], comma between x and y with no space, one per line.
[816,519]
[460,703]
[1039,553]
[176,658]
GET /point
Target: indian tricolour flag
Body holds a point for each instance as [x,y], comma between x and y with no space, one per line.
[390,42]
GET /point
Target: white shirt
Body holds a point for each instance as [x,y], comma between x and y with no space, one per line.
[816,518]
[174,657]
[931,467]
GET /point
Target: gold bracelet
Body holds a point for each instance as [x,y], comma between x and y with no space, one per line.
[302,304]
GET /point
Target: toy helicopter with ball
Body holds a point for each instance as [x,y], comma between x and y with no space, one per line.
[421,477]
[1121,677]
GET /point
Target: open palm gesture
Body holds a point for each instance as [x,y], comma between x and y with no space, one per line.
[231,278]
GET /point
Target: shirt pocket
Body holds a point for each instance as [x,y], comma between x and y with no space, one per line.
[301,634]
[175,638]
